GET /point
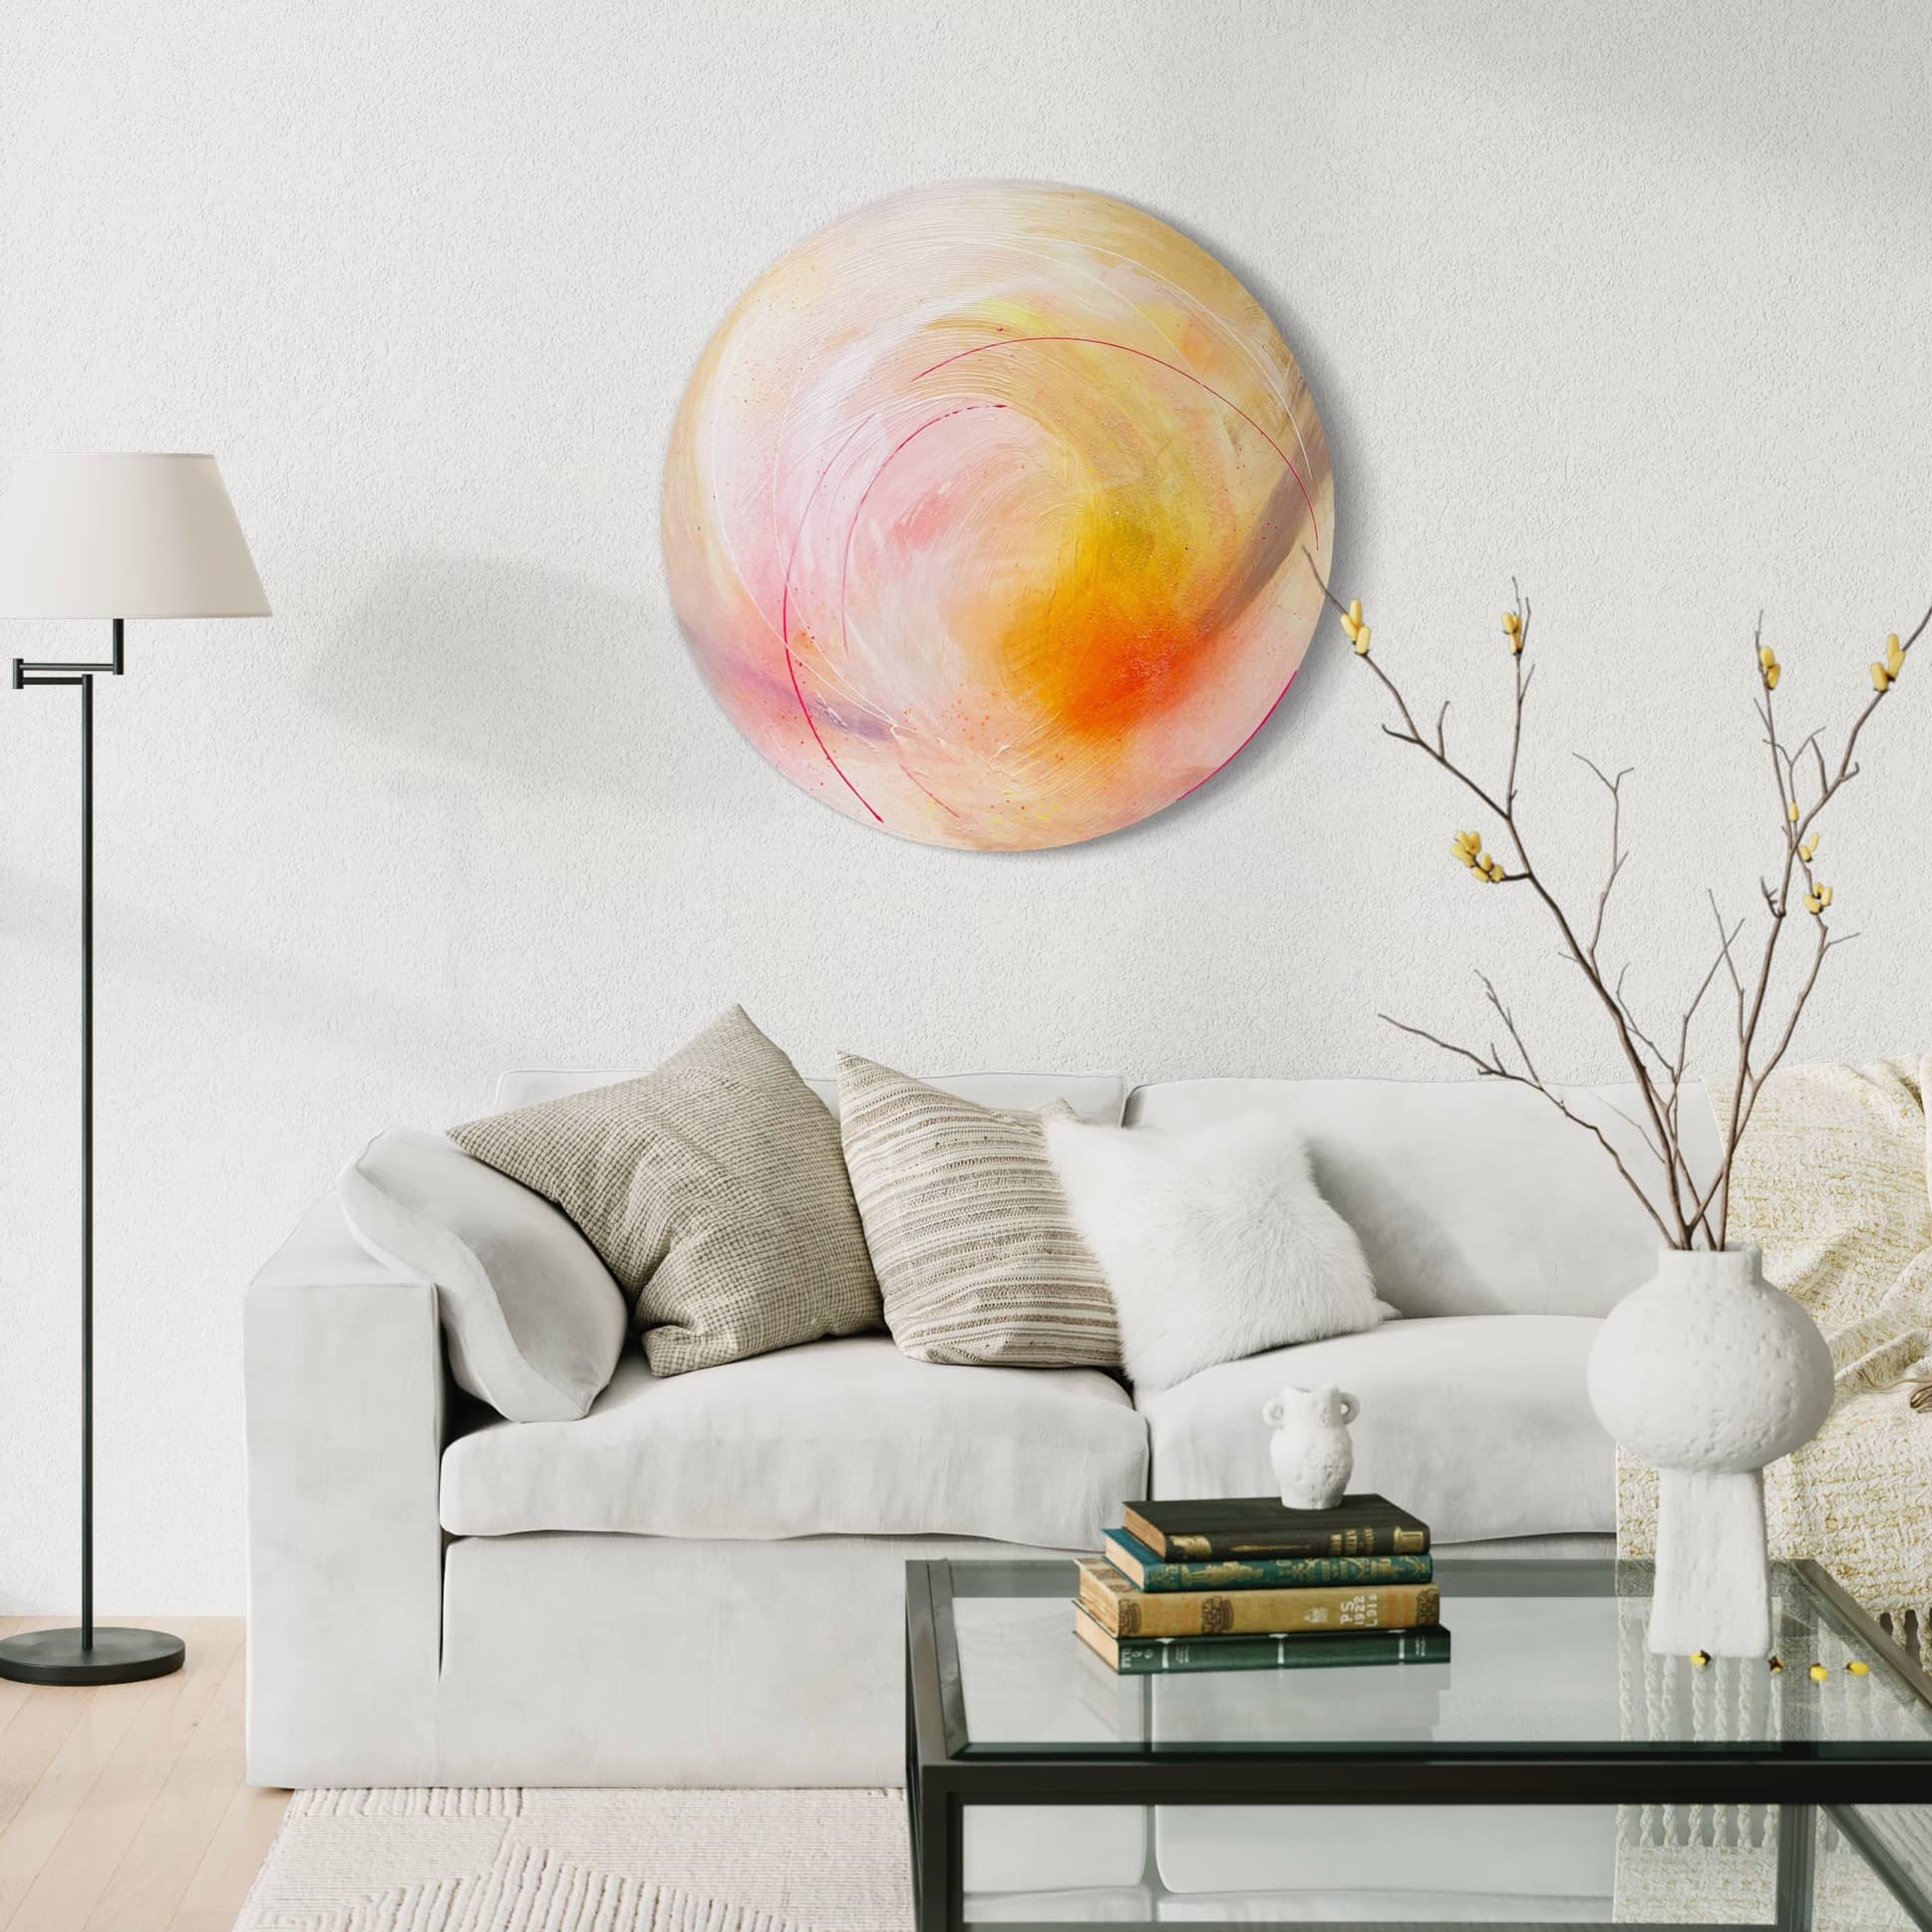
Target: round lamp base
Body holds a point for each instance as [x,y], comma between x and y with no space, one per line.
[118,1654]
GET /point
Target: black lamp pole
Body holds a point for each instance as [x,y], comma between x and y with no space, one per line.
[109,1652]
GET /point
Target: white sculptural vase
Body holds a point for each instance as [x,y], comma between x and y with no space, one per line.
[1709,1372]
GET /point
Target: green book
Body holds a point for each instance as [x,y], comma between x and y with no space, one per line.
[1134,1559]
[1152,1656]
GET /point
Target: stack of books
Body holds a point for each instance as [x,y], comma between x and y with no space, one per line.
[1248,1584]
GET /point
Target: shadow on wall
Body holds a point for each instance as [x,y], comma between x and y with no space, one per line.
[476,668]
[467,670]
[493,668]
[239,979]
[497,670]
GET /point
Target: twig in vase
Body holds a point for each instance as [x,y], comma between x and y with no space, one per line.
[1685,1214]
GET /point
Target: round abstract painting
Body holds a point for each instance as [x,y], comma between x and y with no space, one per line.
[984,515]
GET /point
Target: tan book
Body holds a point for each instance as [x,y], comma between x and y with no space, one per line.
[1122,1611]
[1095,1639]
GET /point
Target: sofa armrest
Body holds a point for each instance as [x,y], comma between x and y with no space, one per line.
[344,1383]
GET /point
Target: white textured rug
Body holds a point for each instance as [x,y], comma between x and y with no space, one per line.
[452,1860]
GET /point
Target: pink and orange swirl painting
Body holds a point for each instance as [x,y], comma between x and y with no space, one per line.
[984,515]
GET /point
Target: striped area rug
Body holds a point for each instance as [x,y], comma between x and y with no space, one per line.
[464,1860]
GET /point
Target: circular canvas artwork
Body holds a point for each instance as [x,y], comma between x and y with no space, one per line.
[984,515]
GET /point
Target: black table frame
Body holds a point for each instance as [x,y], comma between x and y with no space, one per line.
[942,1779]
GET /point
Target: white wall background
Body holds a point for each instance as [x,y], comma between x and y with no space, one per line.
[1635,304]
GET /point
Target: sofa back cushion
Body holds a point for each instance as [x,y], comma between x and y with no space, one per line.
[531,1318]
[1093,1097]
[1469,1198]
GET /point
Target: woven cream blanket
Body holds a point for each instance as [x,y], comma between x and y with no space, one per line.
[1833,1181]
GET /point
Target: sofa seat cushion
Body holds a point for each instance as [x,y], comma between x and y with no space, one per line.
[834,1438]
[1478,1424]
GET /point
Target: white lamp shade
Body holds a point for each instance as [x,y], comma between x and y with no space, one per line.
[124,536]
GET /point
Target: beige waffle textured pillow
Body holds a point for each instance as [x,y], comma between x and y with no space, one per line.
[976,1252]
[715,1191]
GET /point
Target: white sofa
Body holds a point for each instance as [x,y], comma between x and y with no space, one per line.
[700,1582]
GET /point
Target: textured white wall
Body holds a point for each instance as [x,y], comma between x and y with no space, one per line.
[1631,302]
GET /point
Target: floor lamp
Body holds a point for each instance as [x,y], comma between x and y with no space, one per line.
[109,537]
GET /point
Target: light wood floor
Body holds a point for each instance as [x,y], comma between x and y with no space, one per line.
[122,1809]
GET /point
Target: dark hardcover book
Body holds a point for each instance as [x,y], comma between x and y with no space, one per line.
[1152,1656]
[1180,1531]
[1135,1561]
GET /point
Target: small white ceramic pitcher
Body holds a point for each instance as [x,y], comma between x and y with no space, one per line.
[1311,1452]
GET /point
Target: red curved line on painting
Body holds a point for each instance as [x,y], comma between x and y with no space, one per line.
[1245,743]
[1127,349]
[806,712]
[797,535]
[858,509]
[933,795]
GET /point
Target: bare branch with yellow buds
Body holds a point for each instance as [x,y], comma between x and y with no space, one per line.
[1687,1212]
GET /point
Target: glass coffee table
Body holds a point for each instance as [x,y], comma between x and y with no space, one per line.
[1552,1771]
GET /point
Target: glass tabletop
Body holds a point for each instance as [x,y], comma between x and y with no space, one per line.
[1546,1657]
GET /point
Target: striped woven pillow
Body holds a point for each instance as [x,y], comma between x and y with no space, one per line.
[974,1249]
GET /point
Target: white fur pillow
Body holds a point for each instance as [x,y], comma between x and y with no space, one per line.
[1215,1243]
